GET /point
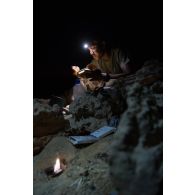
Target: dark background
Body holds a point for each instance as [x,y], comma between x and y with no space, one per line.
[60,29]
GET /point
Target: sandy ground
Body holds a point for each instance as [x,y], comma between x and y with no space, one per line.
[87,169]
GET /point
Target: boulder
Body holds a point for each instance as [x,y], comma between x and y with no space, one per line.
[93,110]
[136,160]
[47,119]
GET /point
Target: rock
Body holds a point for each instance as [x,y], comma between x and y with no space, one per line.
[47,119]
[151,69]
[102,156]
[85,173]
[56,108]
[136,160]
[92,111]
[41,105]
[48,123]
[39,143]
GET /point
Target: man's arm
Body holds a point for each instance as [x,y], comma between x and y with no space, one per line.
[124,62]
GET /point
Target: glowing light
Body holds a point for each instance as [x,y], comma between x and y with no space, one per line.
[57,166]
[85,45]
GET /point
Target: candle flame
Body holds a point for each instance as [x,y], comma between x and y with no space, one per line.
[57,165]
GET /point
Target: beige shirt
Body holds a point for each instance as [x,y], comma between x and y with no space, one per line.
[116,63]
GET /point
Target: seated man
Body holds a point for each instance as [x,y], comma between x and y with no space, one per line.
[108,59]
[107,65]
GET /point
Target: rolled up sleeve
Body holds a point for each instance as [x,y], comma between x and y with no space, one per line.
[124,61]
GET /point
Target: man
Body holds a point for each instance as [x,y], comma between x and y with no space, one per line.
[109,60]
[107,64]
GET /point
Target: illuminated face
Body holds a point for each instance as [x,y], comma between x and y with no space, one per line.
[93,51]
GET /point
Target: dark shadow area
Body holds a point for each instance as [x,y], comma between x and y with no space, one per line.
[60,30]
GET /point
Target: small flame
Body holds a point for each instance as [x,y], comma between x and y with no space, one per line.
[57,165]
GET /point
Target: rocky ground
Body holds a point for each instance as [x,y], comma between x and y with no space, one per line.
[87,168]
[127,162]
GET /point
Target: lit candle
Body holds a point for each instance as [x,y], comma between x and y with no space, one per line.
[57,168]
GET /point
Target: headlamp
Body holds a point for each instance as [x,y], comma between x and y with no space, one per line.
[85,46]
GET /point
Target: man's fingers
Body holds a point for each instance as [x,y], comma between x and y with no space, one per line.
[76,68]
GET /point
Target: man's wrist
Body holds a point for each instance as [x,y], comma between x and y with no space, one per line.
[106,77]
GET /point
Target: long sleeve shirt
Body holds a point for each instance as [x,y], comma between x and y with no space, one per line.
[118,62]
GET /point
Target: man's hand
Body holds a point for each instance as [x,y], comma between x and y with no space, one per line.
[76,70]
[94,75]
[87,73]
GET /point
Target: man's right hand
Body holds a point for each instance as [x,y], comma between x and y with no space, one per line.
[75,69]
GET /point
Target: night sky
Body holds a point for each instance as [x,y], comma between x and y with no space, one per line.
[60,29]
